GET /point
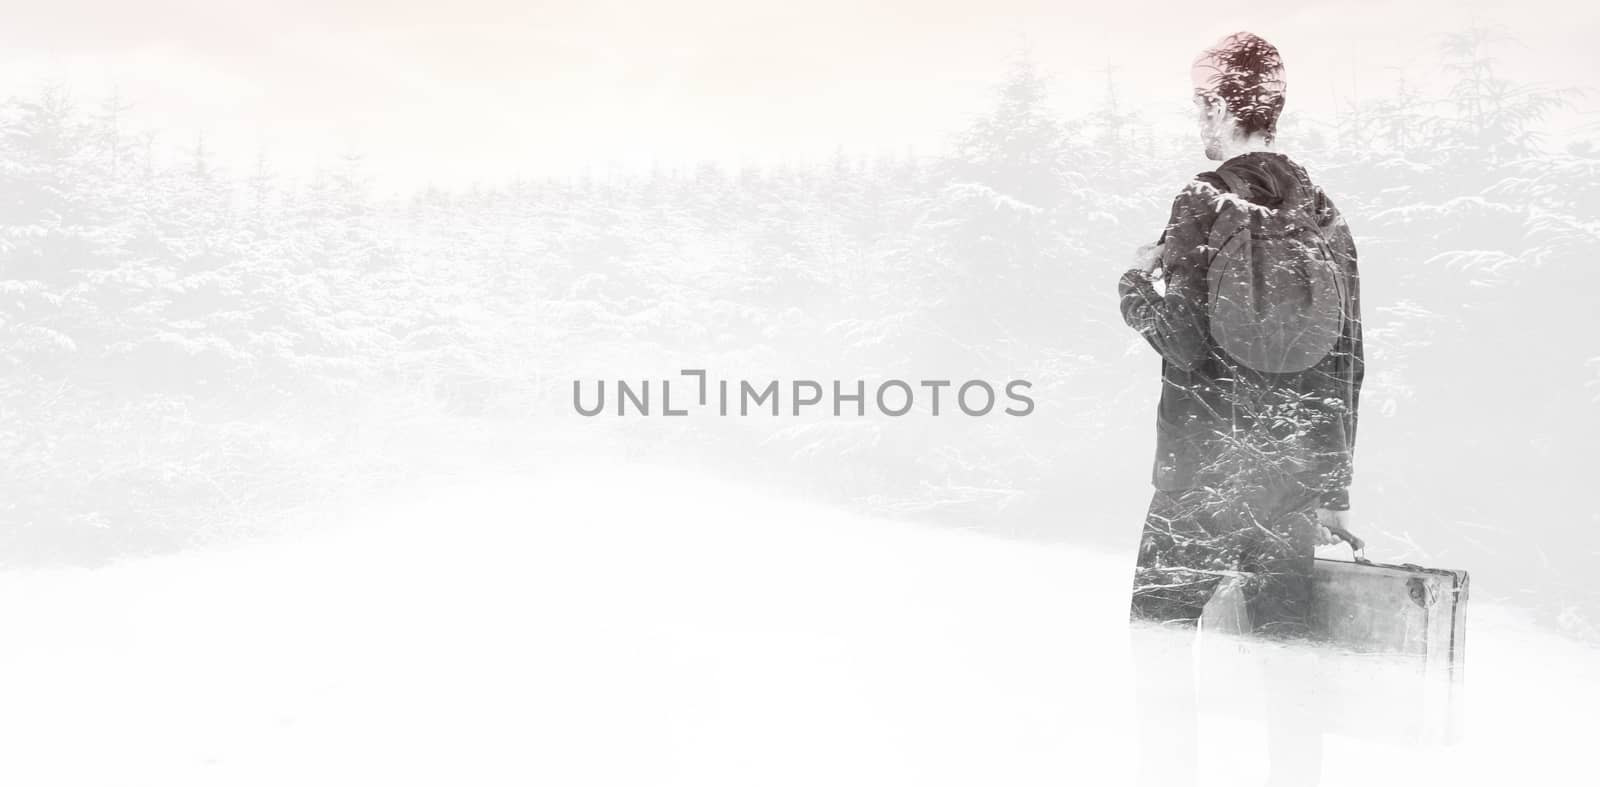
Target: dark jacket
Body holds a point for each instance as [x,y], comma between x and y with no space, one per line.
[1214,412]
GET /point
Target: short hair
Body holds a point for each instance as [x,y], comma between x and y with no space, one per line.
[1246,73]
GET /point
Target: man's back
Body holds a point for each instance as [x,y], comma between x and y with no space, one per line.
[1215,412]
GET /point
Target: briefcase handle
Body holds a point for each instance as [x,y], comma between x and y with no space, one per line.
[1358,548]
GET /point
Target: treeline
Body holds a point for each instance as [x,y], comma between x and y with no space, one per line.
[185,350]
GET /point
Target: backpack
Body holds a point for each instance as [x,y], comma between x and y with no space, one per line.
[1276,290]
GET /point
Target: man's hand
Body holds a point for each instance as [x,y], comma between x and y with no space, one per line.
[1331,524]
[1148,258]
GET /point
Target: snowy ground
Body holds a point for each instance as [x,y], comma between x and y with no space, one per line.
[636,626]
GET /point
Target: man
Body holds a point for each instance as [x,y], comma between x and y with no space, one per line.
[1252,468]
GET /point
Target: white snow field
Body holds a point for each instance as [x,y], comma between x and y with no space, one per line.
[628,625]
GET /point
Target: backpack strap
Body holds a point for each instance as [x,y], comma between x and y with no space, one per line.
[1209,177]
[1235,184]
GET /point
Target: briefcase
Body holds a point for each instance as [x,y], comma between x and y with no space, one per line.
[1398,639]
[1393,657]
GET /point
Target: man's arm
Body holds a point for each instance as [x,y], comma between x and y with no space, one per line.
[1173,323]
[1338,466]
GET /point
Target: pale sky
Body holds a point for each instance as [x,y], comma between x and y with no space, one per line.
[484,89]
